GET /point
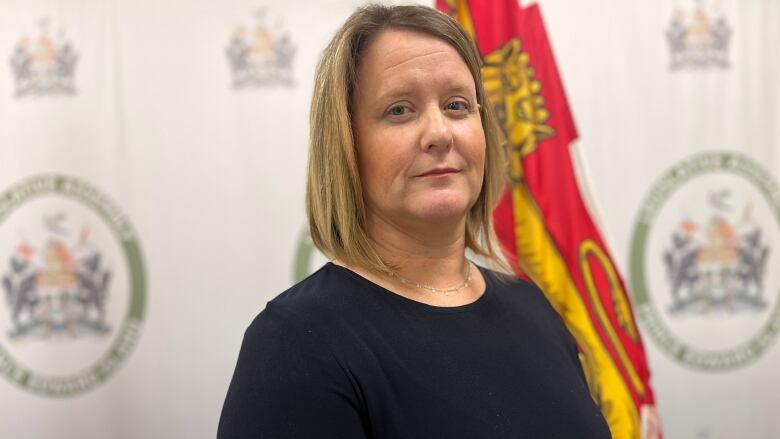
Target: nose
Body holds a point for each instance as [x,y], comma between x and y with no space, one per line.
[436,131]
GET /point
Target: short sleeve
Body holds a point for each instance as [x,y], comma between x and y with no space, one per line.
[287,384]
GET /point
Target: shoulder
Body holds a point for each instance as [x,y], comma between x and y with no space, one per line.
[314,308]
[327,292]
[287,382]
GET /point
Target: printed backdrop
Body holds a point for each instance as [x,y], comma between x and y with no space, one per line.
[152,159]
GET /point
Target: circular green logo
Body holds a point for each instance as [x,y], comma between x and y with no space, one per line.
[72,275]
[701,253]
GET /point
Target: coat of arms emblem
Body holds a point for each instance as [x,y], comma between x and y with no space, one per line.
[698,37]
[44,64]
[260,54]
[717,264]
[55,287]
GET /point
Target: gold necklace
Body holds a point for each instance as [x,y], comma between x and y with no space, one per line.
[434,290]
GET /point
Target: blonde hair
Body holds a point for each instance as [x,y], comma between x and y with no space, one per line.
[334,196]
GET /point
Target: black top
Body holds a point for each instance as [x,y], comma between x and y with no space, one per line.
[337,356]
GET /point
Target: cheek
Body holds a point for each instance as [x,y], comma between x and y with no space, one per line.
[382,157]
[373,168]
[474,143]
[369,170]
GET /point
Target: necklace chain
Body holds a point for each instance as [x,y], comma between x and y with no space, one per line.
[434,290]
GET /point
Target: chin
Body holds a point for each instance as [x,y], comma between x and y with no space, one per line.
[441,210]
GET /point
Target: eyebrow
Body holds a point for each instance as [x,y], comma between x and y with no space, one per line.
[404,93]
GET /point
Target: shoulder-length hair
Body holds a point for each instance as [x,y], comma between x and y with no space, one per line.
[334,198]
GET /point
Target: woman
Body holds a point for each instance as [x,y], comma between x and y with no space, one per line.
[401,336]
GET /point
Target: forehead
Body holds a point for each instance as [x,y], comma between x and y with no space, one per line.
[402,56]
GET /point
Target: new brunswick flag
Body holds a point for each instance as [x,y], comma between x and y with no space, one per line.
[543,222]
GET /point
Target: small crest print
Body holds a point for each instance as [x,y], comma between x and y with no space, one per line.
[261,53]
[699,37]
[44,63]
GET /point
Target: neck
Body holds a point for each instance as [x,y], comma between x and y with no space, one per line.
[433,255]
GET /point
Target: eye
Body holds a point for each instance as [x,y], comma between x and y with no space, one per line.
[397,110]
[458,107]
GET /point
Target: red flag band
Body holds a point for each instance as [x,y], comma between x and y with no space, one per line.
[542,221]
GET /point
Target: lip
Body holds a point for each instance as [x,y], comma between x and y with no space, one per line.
[439,172]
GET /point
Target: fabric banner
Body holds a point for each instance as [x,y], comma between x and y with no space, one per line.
[152,166]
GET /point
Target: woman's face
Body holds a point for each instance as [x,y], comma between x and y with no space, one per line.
[420,142]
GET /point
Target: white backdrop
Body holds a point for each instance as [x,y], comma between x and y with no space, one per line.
[210,177]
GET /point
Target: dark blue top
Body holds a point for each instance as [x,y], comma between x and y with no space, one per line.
[337,356]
